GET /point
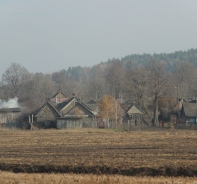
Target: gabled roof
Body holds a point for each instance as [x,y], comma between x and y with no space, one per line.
[65,107]
[93,107]
[51,105]
[84,106]
[57,94]
[65,103]
[127,104]
[134,109]
[190,109]
[59,97]
[91,102]
[69,104]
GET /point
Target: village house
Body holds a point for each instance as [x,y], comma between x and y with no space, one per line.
[9,113]
[9,116]
[61,112]
[183,115]
[134,116]
[188,114]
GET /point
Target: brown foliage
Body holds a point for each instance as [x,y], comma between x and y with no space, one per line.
[110,109]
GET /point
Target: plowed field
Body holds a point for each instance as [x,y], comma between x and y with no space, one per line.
[147,152]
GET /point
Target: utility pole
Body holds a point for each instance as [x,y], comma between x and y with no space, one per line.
[177,92]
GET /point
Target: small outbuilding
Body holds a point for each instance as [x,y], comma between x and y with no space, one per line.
[188,114]
[9,117]
[134,116]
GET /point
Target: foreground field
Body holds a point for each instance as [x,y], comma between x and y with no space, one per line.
[141,153]
[11,178]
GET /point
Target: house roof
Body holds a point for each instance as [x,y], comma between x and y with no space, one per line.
[60,106]
[93,107]
[190,109]
[4,110]
[59,94]
[51,105]
[91,102]
[127,104]
[63,108]
[59,97]
[84,106]
[134,109]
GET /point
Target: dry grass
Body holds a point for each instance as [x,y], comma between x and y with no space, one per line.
[11,178]
[100,151]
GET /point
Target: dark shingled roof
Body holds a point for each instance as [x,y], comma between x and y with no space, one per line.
[10,110]
[93,107]
[190,109]
[92,102]
[64,103]
[52,106]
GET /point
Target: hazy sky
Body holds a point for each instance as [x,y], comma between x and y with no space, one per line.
[49,35]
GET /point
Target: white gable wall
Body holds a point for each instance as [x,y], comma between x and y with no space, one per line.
[134,110]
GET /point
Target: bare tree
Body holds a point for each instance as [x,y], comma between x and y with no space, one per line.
[95,84]
[65,84]
[159,84]
[14,77]
[136,84]
[42,87]
[59,78]
[114,77]
[185,79]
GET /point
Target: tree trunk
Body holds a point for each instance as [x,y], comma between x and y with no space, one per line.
[155,121]
[31,126]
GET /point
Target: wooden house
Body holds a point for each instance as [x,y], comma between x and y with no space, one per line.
[188,114]
[9,116]
[184,113]
[134,116]
[47,115]
[64,113]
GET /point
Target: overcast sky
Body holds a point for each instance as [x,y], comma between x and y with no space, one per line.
[49,35]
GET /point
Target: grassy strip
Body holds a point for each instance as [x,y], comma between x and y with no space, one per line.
[24,178]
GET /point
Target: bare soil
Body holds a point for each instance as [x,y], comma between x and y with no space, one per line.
[95,151]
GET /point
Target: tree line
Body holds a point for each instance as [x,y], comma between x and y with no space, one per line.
[154,82]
